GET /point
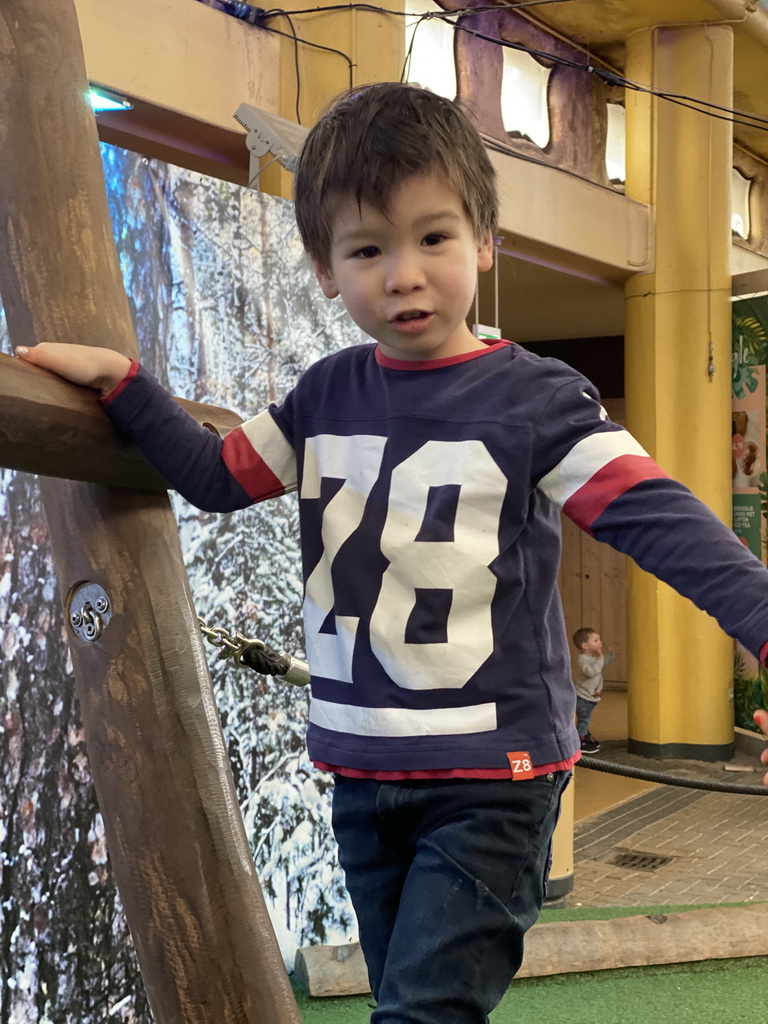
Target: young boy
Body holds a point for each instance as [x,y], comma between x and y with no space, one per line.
[588,682]
[431,470]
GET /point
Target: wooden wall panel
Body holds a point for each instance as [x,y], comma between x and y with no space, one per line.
[593,585]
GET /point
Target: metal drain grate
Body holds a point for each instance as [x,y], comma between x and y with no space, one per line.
[635,861]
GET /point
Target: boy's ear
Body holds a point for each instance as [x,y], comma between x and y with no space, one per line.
[485,253]
[326,280]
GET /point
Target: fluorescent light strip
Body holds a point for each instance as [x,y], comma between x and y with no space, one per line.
[103,100]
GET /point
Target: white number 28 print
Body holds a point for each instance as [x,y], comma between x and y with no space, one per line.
[460,565]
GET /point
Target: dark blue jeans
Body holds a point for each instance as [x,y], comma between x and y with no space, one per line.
[445,877]
[584,709]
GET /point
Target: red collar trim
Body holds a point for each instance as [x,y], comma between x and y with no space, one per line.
[435,364]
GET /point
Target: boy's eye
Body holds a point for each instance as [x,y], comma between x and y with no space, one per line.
[367,252]
[435,238]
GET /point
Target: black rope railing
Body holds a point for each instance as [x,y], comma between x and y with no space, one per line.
[665,779]
[267,661]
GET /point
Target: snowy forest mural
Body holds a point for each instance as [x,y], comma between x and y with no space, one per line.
[227,312]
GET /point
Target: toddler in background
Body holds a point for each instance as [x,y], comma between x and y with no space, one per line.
[589,682]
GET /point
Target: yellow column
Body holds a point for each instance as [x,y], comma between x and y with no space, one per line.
[677,319]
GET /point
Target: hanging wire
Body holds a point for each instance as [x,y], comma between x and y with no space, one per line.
[436,14]
[254,182]
[455,18]
[258,17]
[295,38]
[741,117]
[407,62]
[306,42]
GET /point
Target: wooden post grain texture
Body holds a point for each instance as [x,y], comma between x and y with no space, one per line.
[176,839]
[51,427]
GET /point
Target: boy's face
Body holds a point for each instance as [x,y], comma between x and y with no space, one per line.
[408,280]
[593,645]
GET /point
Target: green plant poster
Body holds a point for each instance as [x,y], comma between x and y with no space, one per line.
[750,475]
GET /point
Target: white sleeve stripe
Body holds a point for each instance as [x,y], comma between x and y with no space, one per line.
[585,459]
[270,444]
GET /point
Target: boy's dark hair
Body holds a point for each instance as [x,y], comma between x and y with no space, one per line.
[582,635]
[370,140]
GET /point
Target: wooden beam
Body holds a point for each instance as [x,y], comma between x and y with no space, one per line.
[53,428]
[176,838]
[750,282]
[568,947]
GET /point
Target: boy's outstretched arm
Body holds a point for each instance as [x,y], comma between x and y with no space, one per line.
[610,487]
[607,484]
[98,368]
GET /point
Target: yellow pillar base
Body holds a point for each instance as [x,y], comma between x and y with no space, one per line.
[560,881]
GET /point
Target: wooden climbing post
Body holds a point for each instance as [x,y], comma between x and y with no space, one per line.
[175,834]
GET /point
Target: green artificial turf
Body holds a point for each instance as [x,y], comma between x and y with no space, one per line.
[706,992]
[608,913]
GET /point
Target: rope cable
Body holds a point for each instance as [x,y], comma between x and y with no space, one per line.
[648,775]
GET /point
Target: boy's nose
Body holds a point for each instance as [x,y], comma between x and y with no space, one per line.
[404,275]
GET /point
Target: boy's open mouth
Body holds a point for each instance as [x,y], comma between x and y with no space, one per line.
[413,314]
[412,321]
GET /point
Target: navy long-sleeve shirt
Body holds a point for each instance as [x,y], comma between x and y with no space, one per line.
[430,496]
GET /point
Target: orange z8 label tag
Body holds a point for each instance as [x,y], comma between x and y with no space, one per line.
[520,765]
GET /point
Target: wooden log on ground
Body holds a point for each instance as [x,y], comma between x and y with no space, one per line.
[567,947]
[53,428]
[721,933]
[331,970]
[176,839]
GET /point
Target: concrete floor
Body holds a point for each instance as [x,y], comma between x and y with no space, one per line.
[705,847]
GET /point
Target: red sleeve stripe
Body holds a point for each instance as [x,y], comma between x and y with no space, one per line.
[112,395]
[260,458]
[608,483]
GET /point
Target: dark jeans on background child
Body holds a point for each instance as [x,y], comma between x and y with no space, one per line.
[467,861]
[584,709]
